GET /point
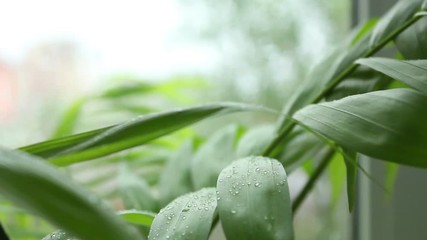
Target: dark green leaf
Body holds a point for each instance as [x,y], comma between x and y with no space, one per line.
[350,159]
[217,152]
[412,73]
[57,199]
[175,179]
[3,234]
[389,125]
[412,43]
[142,218]
[254,200]
[401,12]
[361,81]
[101,142]
[188,217]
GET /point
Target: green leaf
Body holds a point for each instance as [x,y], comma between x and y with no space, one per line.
[187,217]
[363,80]
[401,12]
[412,42]
[175,179]
[364,30]
[101,142]
[412,73]
[217,152]
[136,193]
[254,200]
[350,159]
[336,175]
[389,125]
[255,141]
[300,147]
[3,234]
[59,235]
[142,218]
[69,119]
[392,170]
[57,199]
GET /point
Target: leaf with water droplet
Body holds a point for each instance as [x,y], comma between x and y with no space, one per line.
[187,217]
[142,218]
[59,235]
[262,210]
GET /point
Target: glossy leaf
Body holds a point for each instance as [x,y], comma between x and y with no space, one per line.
[101,142]
[412,73]
[57,199]
[254,200]
[136,217]
[217,152]
[389,125]
[401,12]
[412,42]
[175,179]
[188,217]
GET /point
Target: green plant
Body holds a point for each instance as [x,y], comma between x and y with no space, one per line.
[352,104]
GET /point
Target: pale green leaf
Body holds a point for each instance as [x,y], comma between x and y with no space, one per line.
[57,199]
[188,217]
[136,217]
[389,125]
[138,131]
[254,200]
[59,235]
[412,73]
[255,141]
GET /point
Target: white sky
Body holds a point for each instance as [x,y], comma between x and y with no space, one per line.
[133,36]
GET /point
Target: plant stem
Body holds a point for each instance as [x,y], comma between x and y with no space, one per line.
[340,77]
[326,159]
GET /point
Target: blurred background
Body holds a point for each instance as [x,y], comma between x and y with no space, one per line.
[71,66]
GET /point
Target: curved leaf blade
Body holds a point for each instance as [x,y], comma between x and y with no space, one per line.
[254,200]
[142,218]
[188,217]
[412,42]
[412,73]
[101,142]
[388,125]
[393,19]
[255,141]
[57,199]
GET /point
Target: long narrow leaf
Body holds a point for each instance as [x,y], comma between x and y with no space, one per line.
[393,19]
[389,125]
[101,142]
[142,218]
[412,73]
[37,187]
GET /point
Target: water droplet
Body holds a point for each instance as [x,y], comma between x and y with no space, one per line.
[220,180]
[257,169]
[257,184]
[167,237]
[206,209]
[233,211]
[184,217]
[185,209]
